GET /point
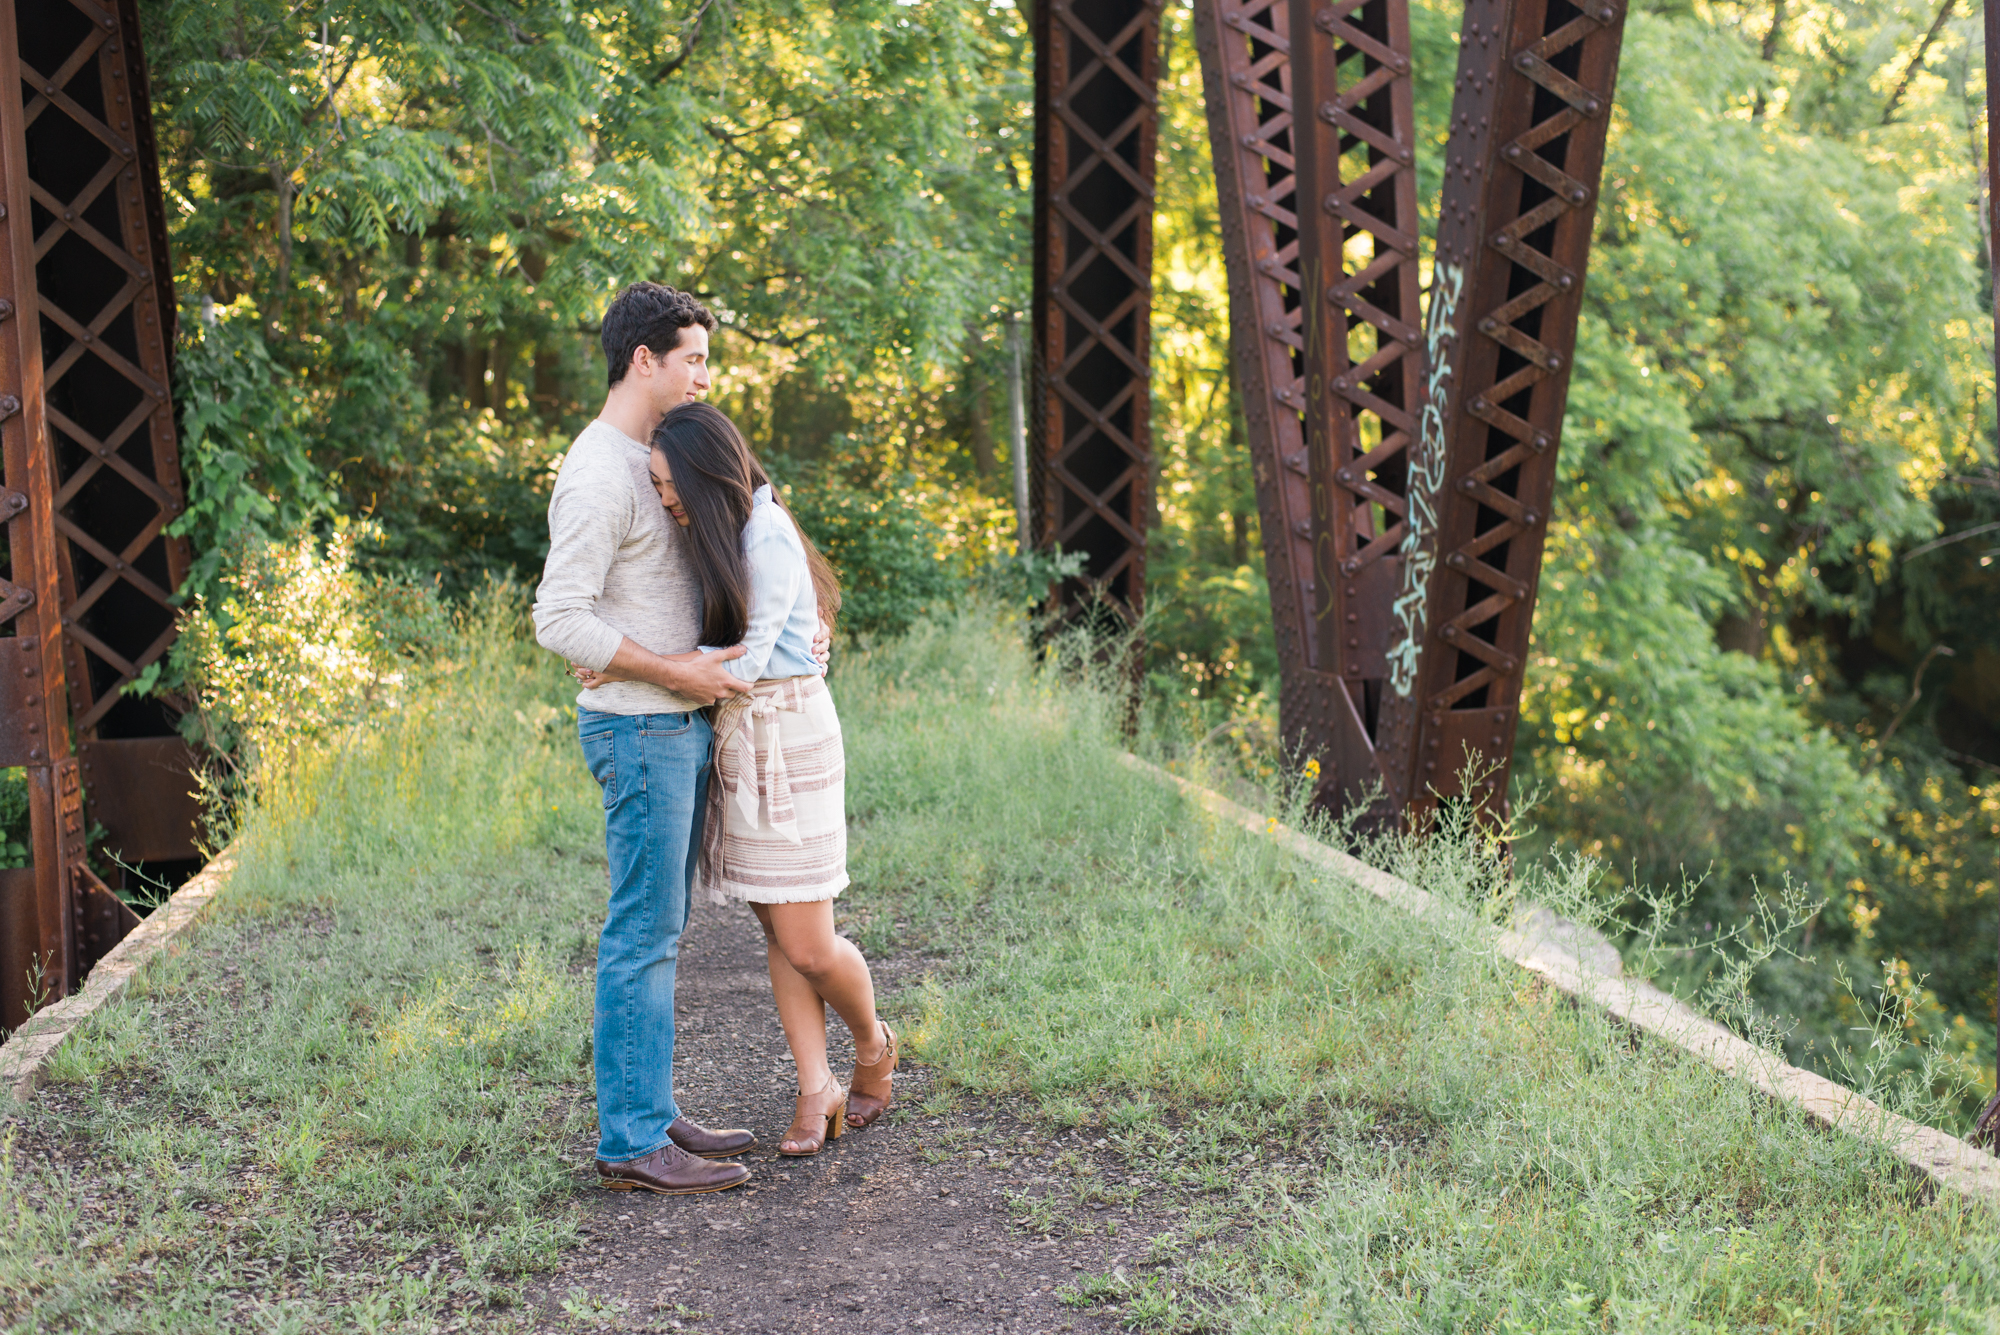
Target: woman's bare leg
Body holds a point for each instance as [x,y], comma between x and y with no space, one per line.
[811,964]
[800,1011]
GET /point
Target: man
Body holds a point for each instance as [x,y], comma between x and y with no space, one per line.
[617,593]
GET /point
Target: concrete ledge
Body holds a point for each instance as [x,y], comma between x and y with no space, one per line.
[25,1055]
[1552,948]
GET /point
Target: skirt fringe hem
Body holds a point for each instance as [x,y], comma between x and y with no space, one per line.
[730,892]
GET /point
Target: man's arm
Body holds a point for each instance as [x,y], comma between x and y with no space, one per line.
[698,676]
[584,533]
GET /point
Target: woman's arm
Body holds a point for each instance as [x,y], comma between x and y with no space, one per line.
[777,574]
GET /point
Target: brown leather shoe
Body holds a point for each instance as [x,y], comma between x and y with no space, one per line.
[672,1171]
[699,1140]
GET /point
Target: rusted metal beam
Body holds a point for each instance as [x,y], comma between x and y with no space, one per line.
[37,950]
[1096,127]
[92,479]
[1522,167]
[1311,101]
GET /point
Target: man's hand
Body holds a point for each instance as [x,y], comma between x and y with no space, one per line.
[702,676]
[823,643]
[697,675]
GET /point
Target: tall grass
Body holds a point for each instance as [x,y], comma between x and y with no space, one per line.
[345,1106]
[1485,1154]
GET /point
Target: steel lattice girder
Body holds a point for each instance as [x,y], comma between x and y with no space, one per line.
[1096,127]
[1522,167]
[85,347]
[1323,306]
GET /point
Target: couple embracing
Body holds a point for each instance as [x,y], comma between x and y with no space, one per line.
[697,615]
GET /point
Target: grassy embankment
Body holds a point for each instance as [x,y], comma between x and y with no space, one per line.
[345,1105]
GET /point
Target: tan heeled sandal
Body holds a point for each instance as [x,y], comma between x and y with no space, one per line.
[814,1127]
[871,1092]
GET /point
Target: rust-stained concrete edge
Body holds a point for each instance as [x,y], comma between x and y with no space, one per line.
[1945,1158]
[24,1057]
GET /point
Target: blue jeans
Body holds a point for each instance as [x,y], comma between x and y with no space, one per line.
[654,772]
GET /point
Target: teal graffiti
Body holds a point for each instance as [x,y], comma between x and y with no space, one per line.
[1426,479]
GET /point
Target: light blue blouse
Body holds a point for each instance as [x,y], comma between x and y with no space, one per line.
[784,611]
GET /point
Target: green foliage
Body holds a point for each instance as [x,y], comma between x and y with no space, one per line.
[14,850]
[303,647]
[881,543]
[423,210]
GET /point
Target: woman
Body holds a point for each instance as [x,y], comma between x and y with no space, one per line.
[775,833]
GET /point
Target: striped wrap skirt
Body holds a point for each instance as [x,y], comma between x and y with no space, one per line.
[775,829]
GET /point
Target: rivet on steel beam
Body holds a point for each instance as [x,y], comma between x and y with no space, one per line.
[1327,112]
[1344,476]
[1488,325]
[9,405]
[1430,764]
[1449,633]
[1351,590]
[1240,80]
[1354,644]
[1511,151]
[1555,361]
[1349,566]
[1525,61]
[1256,201]
[1480,405]
[1502,240]
[1590,106]
[1340,383]
[1354,669]
[1606,14]
[1531,518]
[1467,484]
[1249,141]
[1565,282]
[1456,560]
[1541,440]
[1578,195]
[6,308]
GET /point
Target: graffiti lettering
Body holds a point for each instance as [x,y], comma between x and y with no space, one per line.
[1426,478]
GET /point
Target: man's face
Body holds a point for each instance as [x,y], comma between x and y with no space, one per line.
[676,377]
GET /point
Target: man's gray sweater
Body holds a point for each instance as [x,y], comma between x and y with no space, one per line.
[618,566]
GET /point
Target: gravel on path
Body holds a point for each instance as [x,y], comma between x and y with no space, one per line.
[903,1227]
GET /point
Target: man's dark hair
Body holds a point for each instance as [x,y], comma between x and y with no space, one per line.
[647,315]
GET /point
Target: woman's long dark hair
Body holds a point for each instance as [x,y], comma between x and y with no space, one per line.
[716,476]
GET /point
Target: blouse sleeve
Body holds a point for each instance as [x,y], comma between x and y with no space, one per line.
[777,572]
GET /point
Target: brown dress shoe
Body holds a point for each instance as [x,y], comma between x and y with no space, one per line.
[672,1171]
[699,1140]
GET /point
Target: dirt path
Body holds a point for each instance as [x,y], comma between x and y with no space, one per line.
[905,1226]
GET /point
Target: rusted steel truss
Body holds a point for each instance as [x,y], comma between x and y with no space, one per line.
[1404,473]
[1096,125]
[1323,302]
[93,479]
[1522,167]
